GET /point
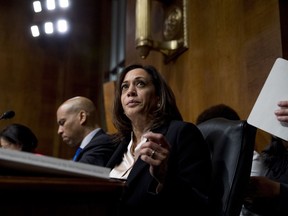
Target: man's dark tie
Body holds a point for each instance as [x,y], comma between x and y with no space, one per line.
[77,153]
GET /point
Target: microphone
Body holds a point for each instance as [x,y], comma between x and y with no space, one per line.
[7,115]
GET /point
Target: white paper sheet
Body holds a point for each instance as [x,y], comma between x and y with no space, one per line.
[43,165]
[274,90]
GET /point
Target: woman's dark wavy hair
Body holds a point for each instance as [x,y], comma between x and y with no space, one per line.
[20,134]
[166,111]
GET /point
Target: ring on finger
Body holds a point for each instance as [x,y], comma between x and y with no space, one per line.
[152,153]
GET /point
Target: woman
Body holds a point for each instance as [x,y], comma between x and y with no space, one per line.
[164,161]
[18,137]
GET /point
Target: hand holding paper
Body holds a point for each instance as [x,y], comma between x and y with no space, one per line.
[282,112]
[268,114]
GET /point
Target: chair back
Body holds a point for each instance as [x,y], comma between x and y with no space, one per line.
[231,144]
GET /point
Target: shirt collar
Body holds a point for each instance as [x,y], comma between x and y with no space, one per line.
[88,138]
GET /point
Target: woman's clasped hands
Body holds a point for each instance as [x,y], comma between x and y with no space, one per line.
[155,151]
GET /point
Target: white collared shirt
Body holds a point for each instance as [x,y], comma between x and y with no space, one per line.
[88,138]
[123,169]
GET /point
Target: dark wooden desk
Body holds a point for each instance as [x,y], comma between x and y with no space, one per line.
[58,196]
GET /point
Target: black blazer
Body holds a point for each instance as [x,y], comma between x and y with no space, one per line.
[98,150]
[188,177]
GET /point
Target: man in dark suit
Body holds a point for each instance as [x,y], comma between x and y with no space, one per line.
[76,118]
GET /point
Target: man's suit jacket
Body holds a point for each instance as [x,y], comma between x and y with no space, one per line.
[187,181]
[98,151]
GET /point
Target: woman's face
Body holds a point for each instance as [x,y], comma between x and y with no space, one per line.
[8,145]
[138,94]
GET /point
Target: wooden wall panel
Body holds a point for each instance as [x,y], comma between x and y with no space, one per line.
[232,47]
[109,88]
[37,75]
